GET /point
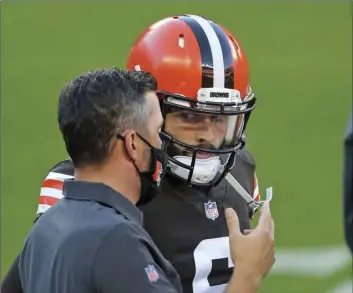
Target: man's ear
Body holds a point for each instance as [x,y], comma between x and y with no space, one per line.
[131,145]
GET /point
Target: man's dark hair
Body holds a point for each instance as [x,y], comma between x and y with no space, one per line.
[98,105]
[144,81]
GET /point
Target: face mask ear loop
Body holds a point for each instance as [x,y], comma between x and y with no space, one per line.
[119,136]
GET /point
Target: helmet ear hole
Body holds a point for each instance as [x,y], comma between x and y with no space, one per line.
[181,41]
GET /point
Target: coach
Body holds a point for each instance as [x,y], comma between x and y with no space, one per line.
[93,239]
[348,185]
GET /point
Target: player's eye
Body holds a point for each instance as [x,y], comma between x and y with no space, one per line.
[187,116]
[217,119]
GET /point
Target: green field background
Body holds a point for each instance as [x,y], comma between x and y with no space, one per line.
[300,56]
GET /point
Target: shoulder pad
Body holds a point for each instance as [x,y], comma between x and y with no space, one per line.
[65,167]
[245,156]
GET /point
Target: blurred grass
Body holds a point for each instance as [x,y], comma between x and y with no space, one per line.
[300,55]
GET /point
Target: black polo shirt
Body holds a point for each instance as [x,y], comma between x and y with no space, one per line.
[93,241]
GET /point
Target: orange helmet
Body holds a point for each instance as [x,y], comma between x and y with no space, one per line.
[200,67]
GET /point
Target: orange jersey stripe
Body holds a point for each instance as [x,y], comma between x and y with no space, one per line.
[48,200]
[51,183]
[256,189]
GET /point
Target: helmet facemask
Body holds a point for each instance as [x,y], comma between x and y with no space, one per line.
[204,162]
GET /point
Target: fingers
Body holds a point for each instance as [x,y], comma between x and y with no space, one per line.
[247,232]
[232,222]
[272,228]
[265,210]
[265,221]
[265,215]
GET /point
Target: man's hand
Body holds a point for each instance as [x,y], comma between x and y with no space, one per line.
[253,253]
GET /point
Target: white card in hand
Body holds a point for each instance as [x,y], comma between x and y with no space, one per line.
[269,192]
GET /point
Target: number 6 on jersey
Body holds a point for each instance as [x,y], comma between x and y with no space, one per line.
[207,251]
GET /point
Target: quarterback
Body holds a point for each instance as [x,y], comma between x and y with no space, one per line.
[206,101]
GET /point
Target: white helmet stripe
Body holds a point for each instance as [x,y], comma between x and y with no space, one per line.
[216,50]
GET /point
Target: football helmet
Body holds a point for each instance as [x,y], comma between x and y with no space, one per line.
[201,69]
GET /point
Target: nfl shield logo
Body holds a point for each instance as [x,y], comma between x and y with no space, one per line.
[211,210]
[152,273]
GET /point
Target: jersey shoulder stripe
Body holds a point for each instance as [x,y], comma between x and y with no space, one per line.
[52,187]
[256,189]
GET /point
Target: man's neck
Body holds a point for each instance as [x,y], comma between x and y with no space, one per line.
[120,179]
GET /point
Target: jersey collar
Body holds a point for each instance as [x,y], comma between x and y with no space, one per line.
[103,194]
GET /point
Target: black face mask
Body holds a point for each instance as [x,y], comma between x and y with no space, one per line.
[151,179]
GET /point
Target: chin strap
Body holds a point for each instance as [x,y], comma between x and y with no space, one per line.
[245,195]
